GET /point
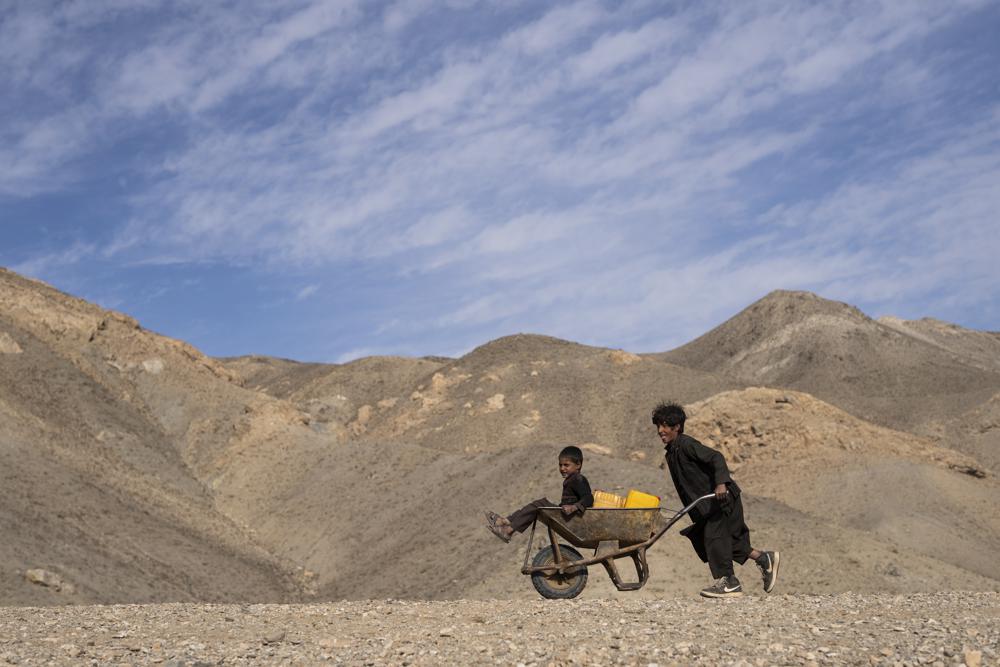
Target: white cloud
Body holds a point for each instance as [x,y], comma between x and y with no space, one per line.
[555,29]
[612,51]
[403,12]
[450,87]
[559,169]
[49,262]
[306,292]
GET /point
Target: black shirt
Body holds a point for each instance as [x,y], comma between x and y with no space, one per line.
[576,491]
[696,470]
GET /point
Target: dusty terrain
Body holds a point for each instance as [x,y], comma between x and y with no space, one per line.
[136,469]
[847,629]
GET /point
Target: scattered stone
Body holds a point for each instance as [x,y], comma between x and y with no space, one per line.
[153,366]
[970,470]
[495,403]
[72,650]
[48,579]
[274,637]
[625,630]
[623,358]
[8,345]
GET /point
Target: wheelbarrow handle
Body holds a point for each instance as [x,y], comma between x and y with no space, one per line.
[675,518]
[691,506]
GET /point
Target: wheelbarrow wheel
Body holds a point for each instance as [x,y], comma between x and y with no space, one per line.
[557,586]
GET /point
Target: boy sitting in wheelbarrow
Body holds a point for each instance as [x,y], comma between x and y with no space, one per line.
[576,497]
[718,534]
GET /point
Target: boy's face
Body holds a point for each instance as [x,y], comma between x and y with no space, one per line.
[568,466]
[668,433]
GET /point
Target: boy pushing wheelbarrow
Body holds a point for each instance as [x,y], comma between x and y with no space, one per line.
[719,534]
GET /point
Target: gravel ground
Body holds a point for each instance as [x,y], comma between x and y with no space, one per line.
[939,629]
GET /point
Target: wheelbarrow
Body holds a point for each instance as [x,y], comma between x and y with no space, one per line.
[559,571]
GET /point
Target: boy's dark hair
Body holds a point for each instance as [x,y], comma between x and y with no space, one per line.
[574,454]
[669,414]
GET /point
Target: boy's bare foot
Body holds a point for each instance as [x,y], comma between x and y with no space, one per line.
[497,520]
[499,526]
[503,532]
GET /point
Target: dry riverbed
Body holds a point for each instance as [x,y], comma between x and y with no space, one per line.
[935,629]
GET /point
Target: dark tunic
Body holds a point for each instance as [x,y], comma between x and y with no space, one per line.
[576,491]
[719,534]
[696,470]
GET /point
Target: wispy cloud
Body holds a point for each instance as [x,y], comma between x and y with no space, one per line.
[573,168]
[44,263]
[306,292]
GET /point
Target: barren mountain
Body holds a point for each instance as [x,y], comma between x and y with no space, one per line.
[99,424]
[881,373]
[142,470]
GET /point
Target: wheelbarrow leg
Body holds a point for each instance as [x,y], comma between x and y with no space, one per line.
[560,562]
[527,551]
[641,570]
[555,549]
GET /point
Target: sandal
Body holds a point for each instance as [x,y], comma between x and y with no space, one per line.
[495,519]
[499,532]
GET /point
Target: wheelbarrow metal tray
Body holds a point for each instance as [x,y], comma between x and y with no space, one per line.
[588,530]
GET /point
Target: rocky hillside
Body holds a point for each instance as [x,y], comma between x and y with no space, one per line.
[977,348]
[142,470]
[101,427]
[907,376]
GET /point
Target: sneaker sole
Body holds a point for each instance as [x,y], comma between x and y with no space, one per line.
[774,572]
[734,594]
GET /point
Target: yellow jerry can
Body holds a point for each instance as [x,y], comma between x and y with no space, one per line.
[638,499]
[607,500]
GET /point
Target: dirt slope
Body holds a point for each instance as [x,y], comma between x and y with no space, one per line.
[95,455]
[333,394]
[907,490]
[523,390]
[513,391]
[142,470]
[277,377]
[881,373]
[976,432]
[405,521]
[980,348]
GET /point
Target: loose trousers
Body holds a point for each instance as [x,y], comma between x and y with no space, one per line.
[524,517]
[721,537]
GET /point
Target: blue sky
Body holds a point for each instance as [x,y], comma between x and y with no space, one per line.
[327,180]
